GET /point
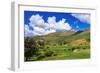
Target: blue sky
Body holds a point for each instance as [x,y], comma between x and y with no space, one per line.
[36,21]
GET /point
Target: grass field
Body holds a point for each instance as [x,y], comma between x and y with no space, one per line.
[67,55]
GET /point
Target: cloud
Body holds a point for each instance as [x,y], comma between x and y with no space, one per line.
[62,25]
[37,20]
[27,31]
[40,27]
[51,20]
[82,17]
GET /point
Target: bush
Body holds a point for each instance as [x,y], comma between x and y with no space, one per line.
[49,53]
[28,53]
[72,48]
[40,54]
[47,47]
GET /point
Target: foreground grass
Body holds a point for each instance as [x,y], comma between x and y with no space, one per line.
[62,53]
[66,55]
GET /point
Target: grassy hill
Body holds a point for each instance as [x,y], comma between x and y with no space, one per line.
[61,45]
[64,37]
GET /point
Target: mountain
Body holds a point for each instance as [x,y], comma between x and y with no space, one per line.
[78,32]
[66,36]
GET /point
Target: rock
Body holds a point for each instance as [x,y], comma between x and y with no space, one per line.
[76,50]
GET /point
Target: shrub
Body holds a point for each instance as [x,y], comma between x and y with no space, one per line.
[28,53]
[40,54]
[47,47]
[49,52]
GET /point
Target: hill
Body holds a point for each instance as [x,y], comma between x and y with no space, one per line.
[64,37]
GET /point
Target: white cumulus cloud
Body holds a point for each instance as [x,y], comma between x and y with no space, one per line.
[82,17]
[40,27]
[27,31]
[37,20]
[62,25]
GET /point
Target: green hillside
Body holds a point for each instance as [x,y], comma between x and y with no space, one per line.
[58,46]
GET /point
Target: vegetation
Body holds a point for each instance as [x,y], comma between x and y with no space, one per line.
[58,46]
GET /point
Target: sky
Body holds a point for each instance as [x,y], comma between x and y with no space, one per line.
[38,23]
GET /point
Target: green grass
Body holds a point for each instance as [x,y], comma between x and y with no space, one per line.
[67,55]
[62,53]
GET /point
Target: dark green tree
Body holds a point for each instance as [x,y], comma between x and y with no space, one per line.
[30,48]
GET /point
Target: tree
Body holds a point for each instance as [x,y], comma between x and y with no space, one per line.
[41,44]
[30,48]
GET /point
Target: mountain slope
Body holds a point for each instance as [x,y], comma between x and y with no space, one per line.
[66,36]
